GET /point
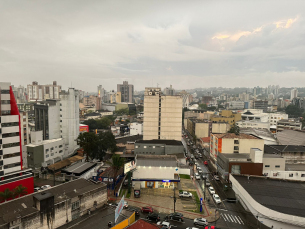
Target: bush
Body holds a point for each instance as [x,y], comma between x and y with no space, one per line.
[185,176]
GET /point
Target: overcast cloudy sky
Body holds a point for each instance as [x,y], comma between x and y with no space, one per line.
[184,43]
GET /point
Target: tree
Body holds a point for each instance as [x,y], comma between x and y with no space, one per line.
[203,106]
[116,164]
[19,191]
[5,195]
[106,141]
[234,129]
[89,142]
[294,111]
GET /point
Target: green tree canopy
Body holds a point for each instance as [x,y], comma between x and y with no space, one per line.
[102,123]
[234,129]
[116,164]
[203,106]
[294,111]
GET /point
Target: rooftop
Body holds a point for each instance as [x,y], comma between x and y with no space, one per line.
[159,141]
[279,195]
[79,168]
[291,137]
[156,160]
[272,156]
[236,155]
[11,210]
[233,135]
[271,149]
[64,163]
[206,139]
[127,139]
[44,142]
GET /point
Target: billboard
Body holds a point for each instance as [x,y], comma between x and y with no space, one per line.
[119,209]
[129,166]
[83,128]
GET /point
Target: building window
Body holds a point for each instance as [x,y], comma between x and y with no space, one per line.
[60,151]
[60,146]
[47,155]
[75,205]
[10,145]
[290,174]
[236,142]
[52,148]
[47,150]
[52,154]
[236,148]
[267,166]
[277,166]
[235,169]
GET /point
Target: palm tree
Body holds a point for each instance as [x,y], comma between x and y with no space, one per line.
[116,164]
[19,191]
[5,195]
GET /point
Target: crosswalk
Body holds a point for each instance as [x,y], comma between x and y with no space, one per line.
[231,218]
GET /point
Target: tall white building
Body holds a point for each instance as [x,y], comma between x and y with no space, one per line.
[12,173]
[293,93]
[60,119]
[162,115]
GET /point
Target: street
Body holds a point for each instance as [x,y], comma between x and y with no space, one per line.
[232,215]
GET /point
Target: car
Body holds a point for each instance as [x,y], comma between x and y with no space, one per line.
[147,209]
[197,177]
[153,217]
[44,187]
[201,221]
[192,228]
[165,225]
[37,189]
[200,156]
[113,204]
[211,190]
[199,170]
[185,194]
[196,174]
[135,210]
[216,178]
[125,204]
[175,216]
[205,163]
[217,199]
[203,176]
[207,183]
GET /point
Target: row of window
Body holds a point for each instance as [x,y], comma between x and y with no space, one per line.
[277,166]
[5,91]
[11,165]
[52,154]
[11,145]
[5,102]
[10,135]
[5,112]
[11,155]
[8,124]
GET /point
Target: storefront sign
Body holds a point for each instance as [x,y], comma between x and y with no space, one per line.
[166,181]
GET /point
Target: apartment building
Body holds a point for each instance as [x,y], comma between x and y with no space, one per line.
[162,115]
[290,124]
[127,91]
[203,128]
[11,165]
[226,116]
[233,143]
[169,90]
[38,92]
[60,119]
[260,104]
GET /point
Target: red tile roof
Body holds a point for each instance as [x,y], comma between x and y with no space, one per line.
[141,224]
[206,139]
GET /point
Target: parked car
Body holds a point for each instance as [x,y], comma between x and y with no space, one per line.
[196,174]
[207,183]
[175,216]
[135,210]
[216,178]
[217,199]
[37,189]
[147,209]
[192,228]
[204,176]
[165,225]
[205,162]
[211,190]
[113,204]
[153,217]
[199,170]
[197,177]
[201,221]
[125,204]
[185,194]
[44,187]
[200,156]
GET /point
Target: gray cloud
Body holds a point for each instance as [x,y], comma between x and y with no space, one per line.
[197,44]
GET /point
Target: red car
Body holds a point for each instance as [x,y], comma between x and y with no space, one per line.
[205,162]
[147,209]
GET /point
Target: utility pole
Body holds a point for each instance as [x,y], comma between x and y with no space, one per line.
[174,199]
[54,177]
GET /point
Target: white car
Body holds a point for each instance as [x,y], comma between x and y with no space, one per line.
[201,221]
[199,171]
[192,228]
[44,187]
[197,177]
[216,178]
[185,194]
[37,189]
[196,174]
[164,224]
[217,199]
[211,190]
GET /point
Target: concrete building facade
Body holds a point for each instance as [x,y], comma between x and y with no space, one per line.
[127,92]
[38,92]
[162,116]
[227,116]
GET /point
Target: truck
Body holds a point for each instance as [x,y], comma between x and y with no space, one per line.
[185,194]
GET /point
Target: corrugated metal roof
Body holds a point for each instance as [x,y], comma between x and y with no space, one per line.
[156,162]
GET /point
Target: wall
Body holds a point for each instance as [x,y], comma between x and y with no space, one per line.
[220,128]
[202,130]
[35,156]
[248,168]
[246,144]
[151,117]
[54,121]
[136,128]
[166,173]
[287,175]
[272,162]
[184,171]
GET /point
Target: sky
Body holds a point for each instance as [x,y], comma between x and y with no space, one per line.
[187,44]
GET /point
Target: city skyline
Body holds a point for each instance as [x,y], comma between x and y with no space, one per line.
[202,44]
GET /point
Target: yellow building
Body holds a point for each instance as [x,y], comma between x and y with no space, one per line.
[227,116]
